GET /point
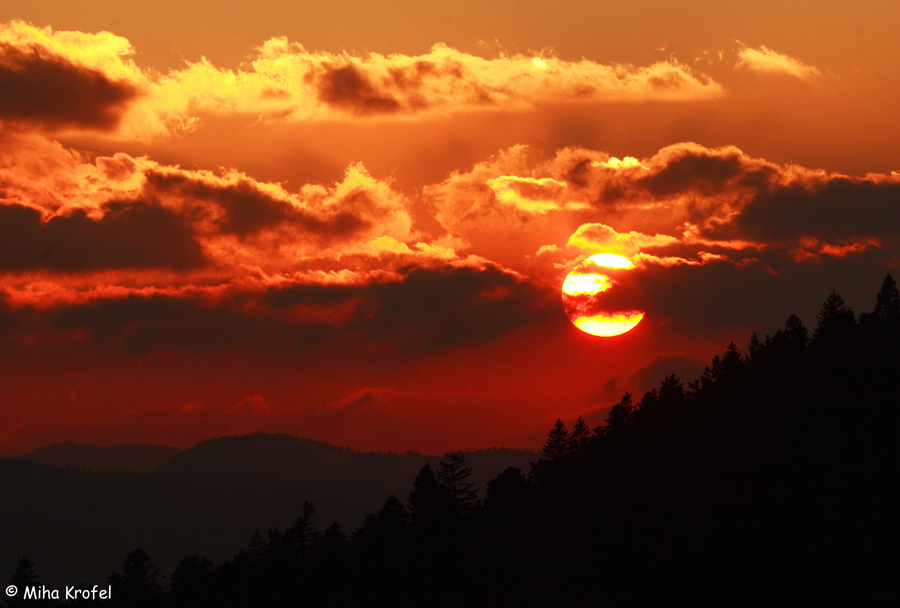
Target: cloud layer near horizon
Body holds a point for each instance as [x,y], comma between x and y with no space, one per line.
[355,298]
[687,204]
[120,228]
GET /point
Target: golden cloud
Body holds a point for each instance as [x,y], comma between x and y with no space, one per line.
[295,84]
[84,228]
[70,81]
[685,205]
[286,82]
[764,60]
[595,238]
[77,228]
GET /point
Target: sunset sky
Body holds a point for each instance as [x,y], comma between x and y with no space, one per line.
[352,221]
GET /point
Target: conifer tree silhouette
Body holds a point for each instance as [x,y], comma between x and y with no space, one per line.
[580,437]
[455,473]
[883,323]
[835,344]
[192,582]
[24,576]
[621,414]
[508,493]
[328,566]
[255,554]
[725,374]
[557,444]
[836,322]
[794,332]
[671,392]
[303,533]
[333,541]
[887,303]
[779,362]
[431,505]
[391,522]
[139,582]
[657,406]
[332,546]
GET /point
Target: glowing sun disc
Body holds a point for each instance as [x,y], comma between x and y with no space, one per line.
[583,291]
[593,283]
[608,325]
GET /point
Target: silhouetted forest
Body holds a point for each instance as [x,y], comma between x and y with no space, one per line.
[75,523]
[769,480]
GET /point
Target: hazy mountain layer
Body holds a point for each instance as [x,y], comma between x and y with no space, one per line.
[73,523]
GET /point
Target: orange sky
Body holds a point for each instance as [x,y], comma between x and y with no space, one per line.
[352,223]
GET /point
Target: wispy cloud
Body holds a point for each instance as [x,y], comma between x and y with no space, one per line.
[764,60]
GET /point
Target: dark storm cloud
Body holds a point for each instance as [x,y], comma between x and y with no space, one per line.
[248,210]
[707,173]
[840,208]
[7,314]
[139,325]
[312,295]
[40,88]
[681,169]
[775,203]
[711,297]
[432,308]
[425,311]
[129,235]
[347,88]
[727,195]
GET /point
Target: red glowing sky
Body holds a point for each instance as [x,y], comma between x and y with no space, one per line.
[352,223]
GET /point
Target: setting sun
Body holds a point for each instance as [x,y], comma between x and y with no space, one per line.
[608,325]
[260,256]
[578,284]
[581,296]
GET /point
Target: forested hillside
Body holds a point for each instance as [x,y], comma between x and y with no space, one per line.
[769,480]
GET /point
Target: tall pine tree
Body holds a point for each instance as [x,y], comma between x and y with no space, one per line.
[621,414]
[23,576]
[430,504]
[836,322]
[557,444]
[140,583]
[887,303]
[455,473]
[303,533]
[580,438]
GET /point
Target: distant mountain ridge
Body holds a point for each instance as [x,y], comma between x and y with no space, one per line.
[257,452]
[273,454]
[77,516]
[138,457]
